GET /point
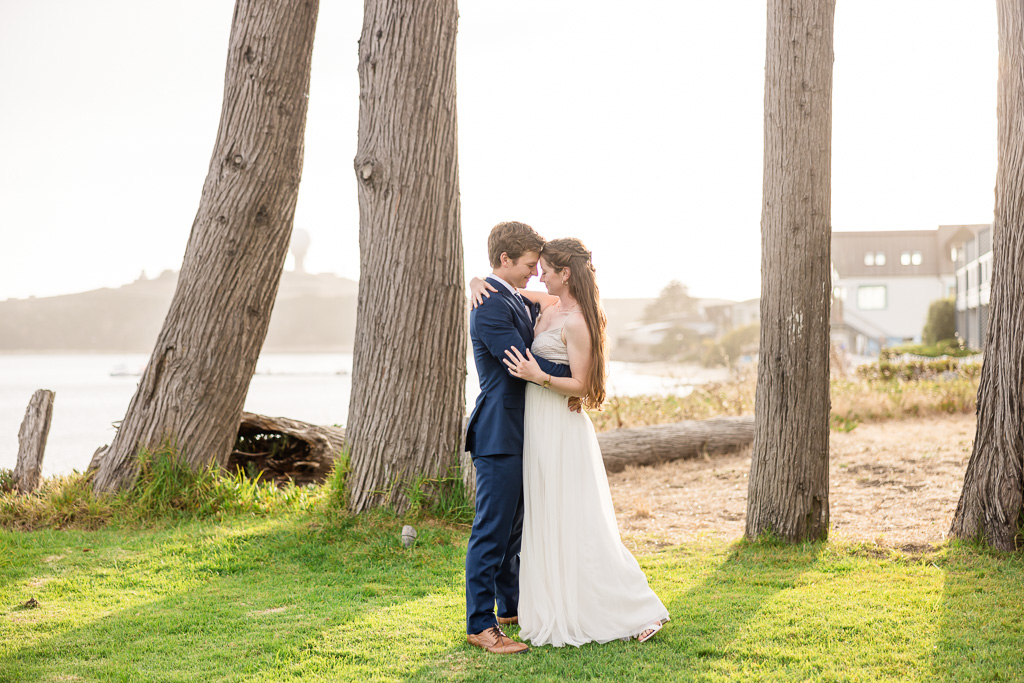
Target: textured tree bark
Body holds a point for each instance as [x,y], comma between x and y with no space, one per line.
[788,492]
[409,369]
[35,429]
[195,384]
[990,504]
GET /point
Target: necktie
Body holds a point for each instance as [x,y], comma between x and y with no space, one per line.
[522,301]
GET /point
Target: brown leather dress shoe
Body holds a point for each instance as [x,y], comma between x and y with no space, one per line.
[505,621]
[493,640]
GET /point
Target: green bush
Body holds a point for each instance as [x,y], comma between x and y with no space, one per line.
[918,370]
[941,322]
[731,346]
[945,347]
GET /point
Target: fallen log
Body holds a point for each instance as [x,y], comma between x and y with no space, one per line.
[638,446]
[677,441]
[285,450]
[35,429]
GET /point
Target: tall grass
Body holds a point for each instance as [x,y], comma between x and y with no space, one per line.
[167,489]
[705,401]
[441,498]
[853,401]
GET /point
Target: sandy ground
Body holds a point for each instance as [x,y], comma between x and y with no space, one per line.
[892,483]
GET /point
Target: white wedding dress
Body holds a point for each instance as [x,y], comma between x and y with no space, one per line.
[577,583]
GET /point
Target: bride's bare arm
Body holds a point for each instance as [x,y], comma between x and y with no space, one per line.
[478,289]
[542,298]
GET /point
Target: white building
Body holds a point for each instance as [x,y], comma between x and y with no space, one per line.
[973,253]
[883,283]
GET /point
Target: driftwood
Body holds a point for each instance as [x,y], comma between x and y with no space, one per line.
[285,450]
[35,429]
[678,441]
[277,448]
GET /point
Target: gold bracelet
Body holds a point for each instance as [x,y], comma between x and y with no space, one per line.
[547,383]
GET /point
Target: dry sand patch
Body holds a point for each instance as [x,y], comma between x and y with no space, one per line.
[894,483]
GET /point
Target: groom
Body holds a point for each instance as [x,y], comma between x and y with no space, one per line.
[494,436]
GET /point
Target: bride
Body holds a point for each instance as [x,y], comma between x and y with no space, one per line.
[578,583]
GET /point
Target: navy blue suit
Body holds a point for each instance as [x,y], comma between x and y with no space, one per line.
[494,436]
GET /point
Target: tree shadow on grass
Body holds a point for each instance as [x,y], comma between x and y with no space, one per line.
[981,633]
[712,597]
[239,604]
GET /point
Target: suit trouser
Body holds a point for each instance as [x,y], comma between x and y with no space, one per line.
[492,558]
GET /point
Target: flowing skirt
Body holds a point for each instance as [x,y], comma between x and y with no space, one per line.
[578,583]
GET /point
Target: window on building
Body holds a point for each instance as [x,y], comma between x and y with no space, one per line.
[839,293]
[986,272]
[879,258]
[905,258]
[869,258]
[871,297]
[915,258]
[952,254]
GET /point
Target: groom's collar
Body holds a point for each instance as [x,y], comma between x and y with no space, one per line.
[510,288]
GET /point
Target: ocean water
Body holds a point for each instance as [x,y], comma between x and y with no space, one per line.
[93,392]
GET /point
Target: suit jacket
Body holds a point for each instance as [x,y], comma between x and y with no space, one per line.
[496,425]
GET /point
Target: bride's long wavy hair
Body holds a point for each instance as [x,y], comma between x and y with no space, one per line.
[570,252]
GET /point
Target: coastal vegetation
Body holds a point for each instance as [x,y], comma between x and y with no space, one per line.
[169,490]
[892,393]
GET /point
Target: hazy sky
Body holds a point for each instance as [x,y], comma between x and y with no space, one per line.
[634,126]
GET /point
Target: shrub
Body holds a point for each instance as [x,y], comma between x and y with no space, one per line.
[914,370]
[731,346]
[166,489]
[945,347]
[941,322]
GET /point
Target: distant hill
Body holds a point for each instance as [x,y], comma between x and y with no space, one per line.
[313,313]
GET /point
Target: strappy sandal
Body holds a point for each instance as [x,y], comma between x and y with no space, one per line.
[649,632]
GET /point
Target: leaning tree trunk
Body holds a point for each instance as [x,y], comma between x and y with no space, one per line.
[788,493]
[194,386]
[990,504]
[408,378]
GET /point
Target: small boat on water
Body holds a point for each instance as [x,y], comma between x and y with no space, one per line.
[122,370]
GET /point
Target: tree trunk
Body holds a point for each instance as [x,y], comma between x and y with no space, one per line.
[409,369]
[788,494]
[195,384]
[35,429]
[990,504]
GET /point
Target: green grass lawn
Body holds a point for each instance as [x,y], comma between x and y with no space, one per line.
[300,596]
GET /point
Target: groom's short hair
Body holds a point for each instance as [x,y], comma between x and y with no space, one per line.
[512,238]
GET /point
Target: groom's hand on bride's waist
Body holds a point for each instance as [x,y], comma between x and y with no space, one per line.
[575,404]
